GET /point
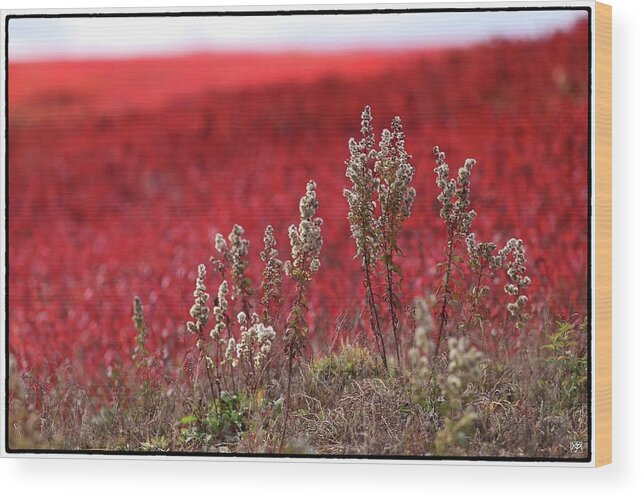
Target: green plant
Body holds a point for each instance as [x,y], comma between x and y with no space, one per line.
[568,357]
[514,254]
[422,351]
[454,197]
[155,444]
[223,422]
[395,198]
[380,200]
[455,200]
[305,245]
[459,415]
[24,425]
[234,260]
[239,393]
[200,312]
[237,351]
[361,216]
[272,274]
[482,264]
[349,363]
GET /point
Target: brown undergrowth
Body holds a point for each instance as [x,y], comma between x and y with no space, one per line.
[250,382]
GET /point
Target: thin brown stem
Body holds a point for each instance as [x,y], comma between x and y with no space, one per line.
[294,344]
[374,316]
[391,306]
[291,356]
[446,293]
[208,369]
[476,300]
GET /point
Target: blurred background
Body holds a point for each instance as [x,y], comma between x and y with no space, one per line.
[58,38]
[133,141]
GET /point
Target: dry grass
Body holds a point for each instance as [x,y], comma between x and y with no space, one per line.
[343,403]
[524,396]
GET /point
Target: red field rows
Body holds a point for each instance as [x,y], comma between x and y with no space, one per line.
[121,172]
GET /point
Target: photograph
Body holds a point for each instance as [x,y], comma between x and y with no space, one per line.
[334,232]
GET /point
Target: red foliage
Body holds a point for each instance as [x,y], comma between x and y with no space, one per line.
[121,172]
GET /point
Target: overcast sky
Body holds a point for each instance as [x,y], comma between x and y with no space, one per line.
[47,38]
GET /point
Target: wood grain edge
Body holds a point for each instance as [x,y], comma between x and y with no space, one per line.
[603,296]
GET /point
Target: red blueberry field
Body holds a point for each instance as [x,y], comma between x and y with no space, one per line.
[121,173]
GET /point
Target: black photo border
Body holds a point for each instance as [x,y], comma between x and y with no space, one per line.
[304,12]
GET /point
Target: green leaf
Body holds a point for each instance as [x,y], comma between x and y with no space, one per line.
[396,268]
[189,419]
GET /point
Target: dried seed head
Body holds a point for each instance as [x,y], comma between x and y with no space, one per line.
[199,311]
